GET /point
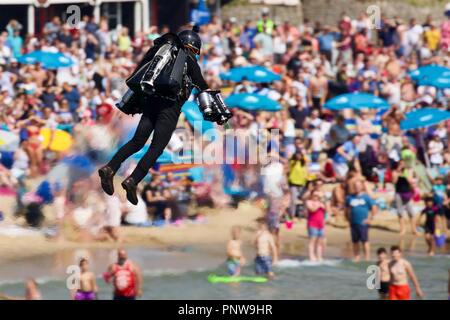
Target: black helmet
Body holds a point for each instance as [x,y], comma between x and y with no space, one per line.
[191,40]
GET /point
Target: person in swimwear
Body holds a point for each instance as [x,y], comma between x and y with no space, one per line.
[431,213]
[234,252]
[385,276]
[266,250]
[88,286]
[400,269]
[32,127]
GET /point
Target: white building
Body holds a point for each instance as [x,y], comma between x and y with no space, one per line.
[33,14]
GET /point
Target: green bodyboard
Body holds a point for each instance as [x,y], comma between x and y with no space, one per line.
[213,278]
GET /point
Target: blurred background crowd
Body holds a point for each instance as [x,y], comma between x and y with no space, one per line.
[353,102]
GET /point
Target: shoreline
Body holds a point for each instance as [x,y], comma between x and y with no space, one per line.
[211,237]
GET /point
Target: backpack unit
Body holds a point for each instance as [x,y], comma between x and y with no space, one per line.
[156,78]
[163,75]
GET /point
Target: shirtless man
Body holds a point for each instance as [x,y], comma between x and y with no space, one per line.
[385,276]
[400,269]
[266,250]
[126,277]
[391,120]
[338,203]
[88,286]
[354,177]
[319,89]
[234,252]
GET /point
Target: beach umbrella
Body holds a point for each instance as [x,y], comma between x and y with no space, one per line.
[8,141]
[195,117]
[48,60]
[423,118]
[251,73]
[356,101]
[55,140]
[252,102]
[432,75]
[431,69]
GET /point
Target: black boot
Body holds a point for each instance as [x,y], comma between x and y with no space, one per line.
[107,177]
[130,187]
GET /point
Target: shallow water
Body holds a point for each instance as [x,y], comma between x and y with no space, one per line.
[182,274]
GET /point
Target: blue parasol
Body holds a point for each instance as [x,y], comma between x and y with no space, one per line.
[356,101]
[48,60]
[432,75]
[252,73]
[424,118]
[252,102]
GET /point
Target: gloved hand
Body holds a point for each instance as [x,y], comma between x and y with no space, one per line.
[213,107]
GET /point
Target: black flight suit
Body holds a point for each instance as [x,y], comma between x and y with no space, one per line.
[160,116]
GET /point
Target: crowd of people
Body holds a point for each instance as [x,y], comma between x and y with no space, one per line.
[338,167]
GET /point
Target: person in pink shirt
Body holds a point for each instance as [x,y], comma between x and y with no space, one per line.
[445,32]
[316,226]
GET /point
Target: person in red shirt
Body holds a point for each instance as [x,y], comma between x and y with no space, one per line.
[126,277]
[361,43]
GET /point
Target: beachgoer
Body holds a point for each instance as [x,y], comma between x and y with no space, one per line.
[384,274]
[266,250]
[400,270]
[360,209]
[88,286]
[126,277]
[431,213]
[316,226]
[403,180]
[235,258]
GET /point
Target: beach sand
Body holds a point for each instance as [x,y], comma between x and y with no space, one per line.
[210,236]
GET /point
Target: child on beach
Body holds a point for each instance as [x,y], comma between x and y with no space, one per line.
[316,225]
[431,213]
[266,250]
[88,286]
[234,252]
[385,276]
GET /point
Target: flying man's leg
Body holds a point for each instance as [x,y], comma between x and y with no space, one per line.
[165,123]
[145,127]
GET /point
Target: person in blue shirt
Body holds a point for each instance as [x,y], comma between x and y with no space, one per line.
[439,194]
[326,42]
[73,98]
[246,39]
[346,154]
[15,42]
[360,209]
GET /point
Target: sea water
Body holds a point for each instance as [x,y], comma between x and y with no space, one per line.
[182,274]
